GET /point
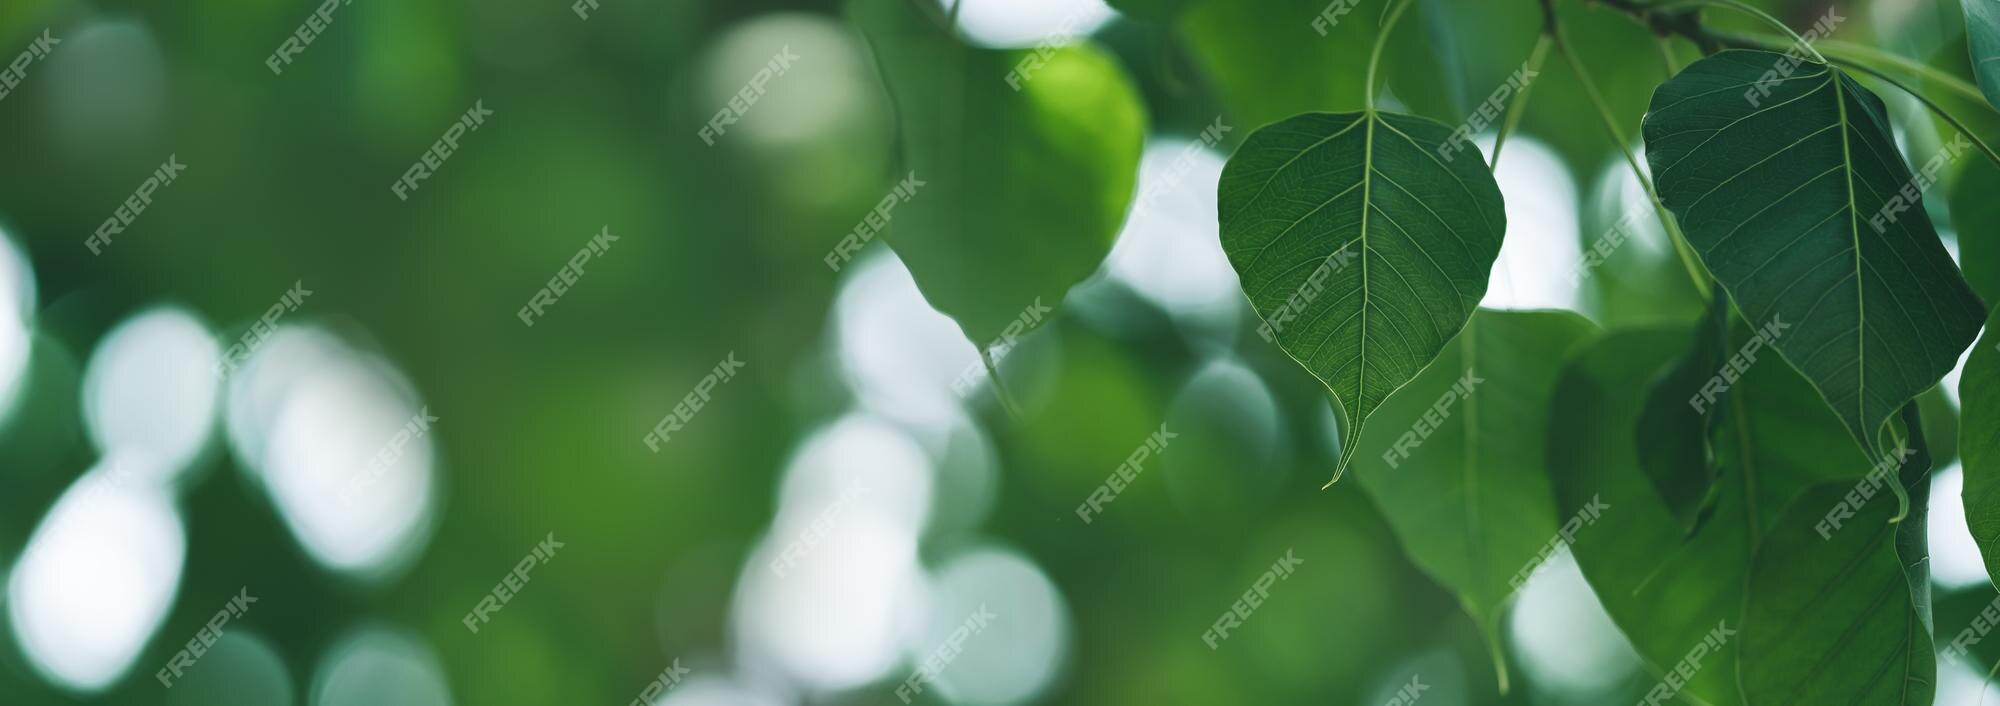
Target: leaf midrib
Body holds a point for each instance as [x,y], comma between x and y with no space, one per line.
[1860,285]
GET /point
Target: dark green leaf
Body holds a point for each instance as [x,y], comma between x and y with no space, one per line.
[1982,36]
[1362,248]
[1975,216]
[1461,476]
[1674,433]
[1783,195]
[1664,588]
[1831,615]
[1024,190]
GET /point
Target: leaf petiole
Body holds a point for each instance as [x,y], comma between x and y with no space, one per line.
[1745,9]
[1375,57]
[1694,270]
[1520,104]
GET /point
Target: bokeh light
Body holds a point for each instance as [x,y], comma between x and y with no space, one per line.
[1541,243]
[1025,638]
[348,456]
[97,578]
[1563,639]
[107,90]
[1170,251]
[17,307]
[1004,24]
[379,666]
[240,669]
[900,355]
[150,389]
[1955,559]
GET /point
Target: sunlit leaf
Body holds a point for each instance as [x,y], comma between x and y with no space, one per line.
[1360,246]
[1263,56]
[1027,164]
[1783,196]
[1251,49]
[1460,474]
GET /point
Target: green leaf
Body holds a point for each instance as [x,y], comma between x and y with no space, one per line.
[1979,392]
[1272,59]
[1667,589]
[1831,616]
[1253,52]
[1975,215]
[1024,190]
[1362,248]
[1982,37]
[1461,478]
[1783,199]
[1940,425]
[1673,434]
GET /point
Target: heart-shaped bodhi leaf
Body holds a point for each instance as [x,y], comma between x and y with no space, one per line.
[1674,423]
[1982,37]
[1026,163]
[1666,589]
[1461,477]
[1364,241]
[1789,187]
[1839,596]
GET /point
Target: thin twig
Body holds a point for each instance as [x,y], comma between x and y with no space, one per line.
[1007,403]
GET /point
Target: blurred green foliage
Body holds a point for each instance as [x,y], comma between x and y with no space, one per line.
[721,250]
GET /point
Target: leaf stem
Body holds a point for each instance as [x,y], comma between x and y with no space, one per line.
[1987,682]
[1745,9]
[1687,257]
[1007,403]
[1914,424]
[1666,55]
[1934,107]
[1375,57]
[1520,104]
[1858,54]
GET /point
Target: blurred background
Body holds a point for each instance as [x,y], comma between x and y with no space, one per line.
[396,441]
